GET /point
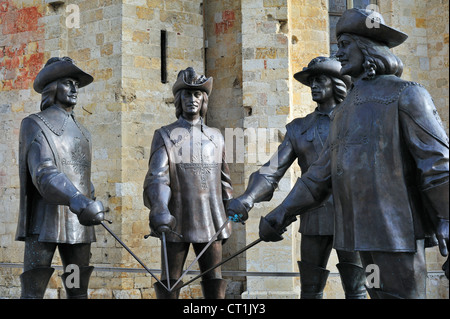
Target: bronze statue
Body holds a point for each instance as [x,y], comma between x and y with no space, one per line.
[386,162]
[187,187]
[305,138]
[57,203]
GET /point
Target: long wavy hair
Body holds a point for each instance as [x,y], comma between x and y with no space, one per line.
[49,95]
[379,60]
[179,108]
[339,89]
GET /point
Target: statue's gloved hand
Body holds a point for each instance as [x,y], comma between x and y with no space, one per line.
[92,215]
[274,224]
[237,211]
[442,235]
[161,221]
[90,212]
[445,268]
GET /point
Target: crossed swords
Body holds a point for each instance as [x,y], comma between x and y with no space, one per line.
[236,218]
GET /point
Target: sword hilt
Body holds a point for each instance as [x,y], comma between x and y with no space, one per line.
[176,234]
[237,218]
[107,210]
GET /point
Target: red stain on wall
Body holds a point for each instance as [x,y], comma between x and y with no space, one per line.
[15,21]
[227,22]
[21,57]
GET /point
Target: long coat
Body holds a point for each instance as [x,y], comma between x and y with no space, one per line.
[387,164]
[189,175]
[304,140]
[54,163]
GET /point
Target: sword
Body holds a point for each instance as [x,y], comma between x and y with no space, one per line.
[213,238]
[166,263]
[222,262]
[273,236]
[131,253]
[164,247]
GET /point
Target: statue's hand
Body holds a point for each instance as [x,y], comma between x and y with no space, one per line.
[445,268]
[237,211]
[92,215]
[442,234]
[90,212]
[161,221]
[274,224]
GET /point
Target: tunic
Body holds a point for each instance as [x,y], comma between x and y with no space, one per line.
[387,163]
[305,138]
[55,163]
[190,161]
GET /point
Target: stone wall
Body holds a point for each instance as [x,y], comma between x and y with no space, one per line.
[21,57]
[223,60]
[41,31]
[252,48]
[147,104]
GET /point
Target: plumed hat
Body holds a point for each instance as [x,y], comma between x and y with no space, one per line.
[370,24]
[322,65]
[188,79]
[57,68]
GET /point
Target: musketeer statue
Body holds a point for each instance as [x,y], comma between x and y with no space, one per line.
[386,162]
[187,187]
[305,138]
[57,203]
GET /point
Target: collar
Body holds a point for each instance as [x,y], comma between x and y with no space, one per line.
[318,112]
[188,124]
[55,118]
[311,118]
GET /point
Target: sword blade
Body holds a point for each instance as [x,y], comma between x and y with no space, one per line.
[131,253]
[166,262]
[222,262]
[213,238]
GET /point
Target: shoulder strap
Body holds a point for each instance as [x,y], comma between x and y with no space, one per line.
[47,135]
[168,143]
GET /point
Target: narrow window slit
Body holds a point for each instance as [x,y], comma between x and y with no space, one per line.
[163,56]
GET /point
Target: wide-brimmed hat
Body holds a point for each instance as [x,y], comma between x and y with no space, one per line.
[188,79]
[370,24]
[57,68]
[322,65]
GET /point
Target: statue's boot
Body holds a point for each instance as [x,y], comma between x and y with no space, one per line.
[214,288]
[313,280]
[34,282]
[353,278]
[163,293]
[379,294]
[78,289]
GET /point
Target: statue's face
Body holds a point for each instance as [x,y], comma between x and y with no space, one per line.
[350,56]
[67,92]
[321,88]
[191,102]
